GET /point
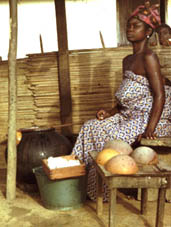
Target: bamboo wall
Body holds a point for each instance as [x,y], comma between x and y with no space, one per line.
[95,76]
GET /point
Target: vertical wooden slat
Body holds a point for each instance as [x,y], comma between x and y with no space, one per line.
[41,44]
[144,200]
[124,9]
[63,61]
[112,207]
[166,10]
[11,166]
[163,10]
[160,207]
[99,201]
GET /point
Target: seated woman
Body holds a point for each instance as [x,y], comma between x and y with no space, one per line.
[164,32]
[143,97]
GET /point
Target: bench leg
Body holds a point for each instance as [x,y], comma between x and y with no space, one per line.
[144,199]
[112,208]
[99,195]
[160,207]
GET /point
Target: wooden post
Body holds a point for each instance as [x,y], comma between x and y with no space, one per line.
[163,10]
[144,200]
[63,65]
[11,165]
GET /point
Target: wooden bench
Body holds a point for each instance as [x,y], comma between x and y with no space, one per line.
[148,176]
[162,146]
[161,142]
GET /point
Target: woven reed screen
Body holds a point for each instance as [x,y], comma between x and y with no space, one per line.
[94,74]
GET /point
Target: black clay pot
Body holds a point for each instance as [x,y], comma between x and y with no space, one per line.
[38,144]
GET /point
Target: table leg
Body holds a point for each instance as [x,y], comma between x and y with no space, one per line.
[160,207]
[144,199]
[112,208]
[99,195]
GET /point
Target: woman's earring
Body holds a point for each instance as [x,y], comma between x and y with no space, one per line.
[148,36]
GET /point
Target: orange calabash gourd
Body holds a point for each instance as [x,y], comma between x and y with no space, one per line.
[122,164]
[104,155]
[18,137]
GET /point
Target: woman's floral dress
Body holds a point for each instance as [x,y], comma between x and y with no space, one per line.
[134,95]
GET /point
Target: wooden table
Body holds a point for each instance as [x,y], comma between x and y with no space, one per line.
[148,176]
[162,146]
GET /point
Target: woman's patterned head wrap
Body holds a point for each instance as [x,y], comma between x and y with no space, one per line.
[148,14]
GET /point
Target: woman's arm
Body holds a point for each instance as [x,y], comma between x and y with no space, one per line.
[152,68]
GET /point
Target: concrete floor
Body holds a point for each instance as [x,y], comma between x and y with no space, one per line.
[27,210]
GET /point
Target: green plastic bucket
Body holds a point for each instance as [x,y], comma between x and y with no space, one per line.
[62,194]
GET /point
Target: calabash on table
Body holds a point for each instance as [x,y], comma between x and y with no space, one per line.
[122,164]
[145,155]
[105,155]
[120,146]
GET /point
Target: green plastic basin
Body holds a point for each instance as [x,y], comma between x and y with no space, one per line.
[63,194]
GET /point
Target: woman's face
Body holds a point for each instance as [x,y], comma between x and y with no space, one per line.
[164,35]
[136,30]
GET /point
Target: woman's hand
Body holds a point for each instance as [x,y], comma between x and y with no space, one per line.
[102,114]
[148,135]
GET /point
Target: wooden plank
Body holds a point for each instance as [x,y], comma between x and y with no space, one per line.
[164,166]
[124,7]
[112,208]
[160,207]
[163,10]
[129,181]
[99,201]
[63,62]
[144,199]
[162,141]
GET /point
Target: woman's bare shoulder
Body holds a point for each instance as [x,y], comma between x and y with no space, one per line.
[127,57]
[148,53]
[150,57]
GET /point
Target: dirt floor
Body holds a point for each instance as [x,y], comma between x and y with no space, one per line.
[27,210]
